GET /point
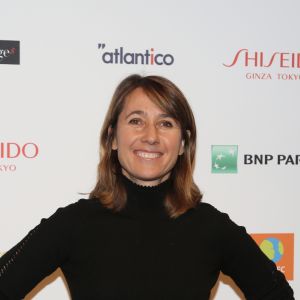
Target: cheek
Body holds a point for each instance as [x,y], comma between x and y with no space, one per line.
[124,139]
[174,143]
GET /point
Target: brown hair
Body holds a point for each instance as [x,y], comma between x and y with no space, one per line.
[184,193]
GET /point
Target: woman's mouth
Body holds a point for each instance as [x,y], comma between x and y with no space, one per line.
[148,155]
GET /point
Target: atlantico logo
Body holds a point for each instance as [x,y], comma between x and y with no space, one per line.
[264,62]
[224,158]
[278,247]
[11,151]
[148,57]
[10,52]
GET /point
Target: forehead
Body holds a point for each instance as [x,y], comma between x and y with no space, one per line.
[139,100]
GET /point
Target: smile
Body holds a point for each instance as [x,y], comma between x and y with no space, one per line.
[148,155]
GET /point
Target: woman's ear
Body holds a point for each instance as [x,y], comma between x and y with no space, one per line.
[188,132]
[114,144]
[181,151]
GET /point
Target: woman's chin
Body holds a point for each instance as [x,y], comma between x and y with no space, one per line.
[146,179]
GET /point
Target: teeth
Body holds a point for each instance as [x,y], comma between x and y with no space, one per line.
[148,155]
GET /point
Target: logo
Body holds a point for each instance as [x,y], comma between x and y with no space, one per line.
[224,158]
[278,247]
[10,52]
[12,151]
[265,62]
[261,59]
[148,57]
[265,159]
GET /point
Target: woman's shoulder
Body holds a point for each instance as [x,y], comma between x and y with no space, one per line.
[82,207]
[208,213]
[207,209]
[220,221]
[84,203]
[75,211]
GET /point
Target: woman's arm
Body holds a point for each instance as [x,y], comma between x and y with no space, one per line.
[249,267]
[39,254]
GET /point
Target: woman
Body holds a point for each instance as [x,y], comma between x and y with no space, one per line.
[144,233]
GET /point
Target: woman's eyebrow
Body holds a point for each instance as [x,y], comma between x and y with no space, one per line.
[166,116]
[139,112]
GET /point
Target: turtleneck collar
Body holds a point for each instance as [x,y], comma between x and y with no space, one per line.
[145,201]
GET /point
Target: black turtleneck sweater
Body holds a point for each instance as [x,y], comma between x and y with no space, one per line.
[140,253]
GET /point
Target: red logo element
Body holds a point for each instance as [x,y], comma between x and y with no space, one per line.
[14,150]
[263,60]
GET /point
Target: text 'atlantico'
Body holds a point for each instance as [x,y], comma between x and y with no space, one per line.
[148,57]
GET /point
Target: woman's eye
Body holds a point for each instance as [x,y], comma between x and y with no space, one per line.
[135,121]
[166,124]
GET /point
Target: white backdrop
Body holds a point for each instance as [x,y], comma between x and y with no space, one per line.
[58,95]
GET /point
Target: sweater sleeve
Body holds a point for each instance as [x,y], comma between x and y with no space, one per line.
[249,267]
[40,253]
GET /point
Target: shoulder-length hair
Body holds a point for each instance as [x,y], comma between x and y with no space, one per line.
[184,193]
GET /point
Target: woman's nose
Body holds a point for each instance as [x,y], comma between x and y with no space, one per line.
[150,134]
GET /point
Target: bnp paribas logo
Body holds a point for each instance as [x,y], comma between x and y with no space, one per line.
[224,158]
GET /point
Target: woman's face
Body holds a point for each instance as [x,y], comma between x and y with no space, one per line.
[147,139]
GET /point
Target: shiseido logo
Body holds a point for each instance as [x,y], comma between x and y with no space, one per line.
[147,57]
[10,52]
[266,63]
[11,151]
[264,60]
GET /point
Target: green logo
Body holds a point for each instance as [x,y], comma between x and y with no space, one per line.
[224,158]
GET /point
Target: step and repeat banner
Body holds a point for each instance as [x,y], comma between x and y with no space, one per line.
[237,63]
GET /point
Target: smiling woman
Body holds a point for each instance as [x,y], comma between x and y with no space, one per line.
[148,141]
[148,135]
[144,233]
